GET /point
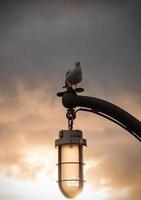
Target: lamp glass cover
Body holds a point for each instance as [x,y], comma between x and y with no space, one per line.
[71,170]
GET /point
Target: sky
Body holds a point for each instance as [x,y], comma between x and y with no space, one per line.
[39,42]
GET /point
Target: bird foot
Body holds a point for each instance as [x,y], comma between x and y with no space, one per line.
[71,90]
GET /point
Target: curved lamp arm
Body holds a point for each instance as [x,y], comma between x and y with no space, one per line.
[133,125]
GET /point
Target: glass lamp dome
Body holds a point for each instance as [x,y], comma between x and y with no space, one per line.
[70,162]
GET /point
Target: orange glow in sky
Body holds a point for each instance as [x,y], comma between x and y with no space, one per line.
[39,42]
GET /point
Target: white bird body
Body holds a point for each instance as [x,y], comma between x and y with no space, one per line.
[74,75]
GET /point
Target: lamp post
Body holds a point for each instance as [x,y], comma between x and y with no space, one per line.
[70,142]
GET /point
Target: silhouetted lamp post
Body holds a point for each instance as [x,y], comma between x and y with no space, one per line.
[70,143]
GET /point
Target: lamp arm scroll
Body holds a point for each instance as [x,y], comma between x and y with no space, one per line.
[126,120]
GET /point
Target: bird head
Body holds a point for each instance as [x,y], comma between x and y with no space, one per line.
[77,64]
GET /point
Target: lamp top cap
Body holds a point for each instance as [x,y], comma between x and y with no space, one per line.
[70,137]
[70,133]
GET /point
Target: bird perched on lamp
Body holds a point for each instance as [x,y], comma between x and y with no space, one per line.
[73,76]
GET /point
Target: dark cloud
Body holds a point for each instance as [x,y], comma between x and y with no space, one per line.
[38,40]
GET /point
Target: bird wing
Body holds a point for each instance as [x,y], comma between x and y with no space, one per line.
[74,76]
[67,72]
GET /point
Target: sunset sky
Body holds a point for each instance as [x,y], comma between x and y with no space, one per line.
[39,42]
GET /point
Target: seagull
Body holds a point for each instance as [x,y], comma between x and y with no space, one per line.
[73,76]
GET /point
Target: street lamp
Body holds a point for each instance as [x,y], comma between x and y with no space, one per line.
[70,143]
[70,162]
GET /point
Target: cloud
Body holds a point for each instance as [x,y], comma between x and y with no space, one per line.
[39,40]
[30,124]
